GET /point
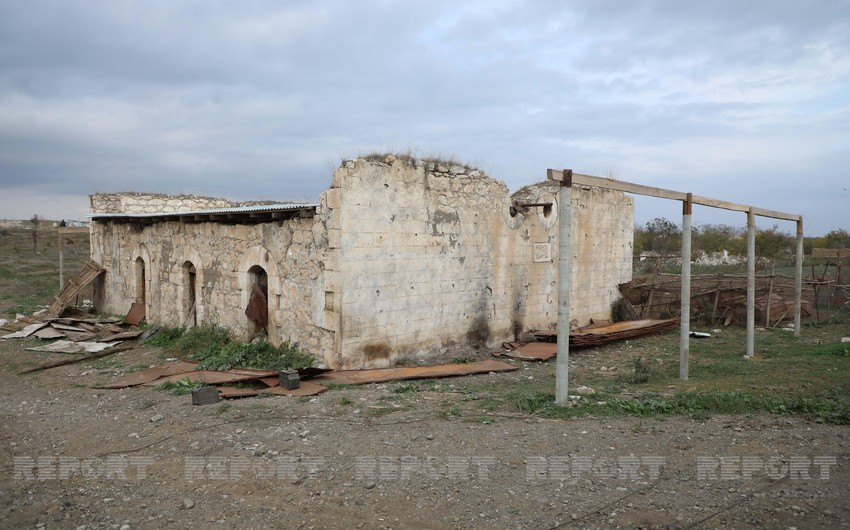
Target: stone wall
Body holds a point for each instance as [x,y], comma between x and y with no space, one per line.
[403,258]
[291,252]
[432,259]
[132,202]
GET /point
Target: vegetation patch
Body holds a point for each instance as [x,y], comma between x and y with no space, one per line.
[181,387]
[215,350]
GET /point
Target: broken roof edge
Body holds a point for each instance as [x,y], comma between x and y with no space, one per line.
[261,208]
[431,162]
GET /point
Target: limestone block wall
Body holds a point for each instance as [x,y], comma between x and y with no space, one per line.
[433,260]
[291,252]
[133,202]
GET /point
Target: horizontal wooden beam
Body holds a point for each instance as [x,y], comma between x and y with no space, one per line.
[651,191]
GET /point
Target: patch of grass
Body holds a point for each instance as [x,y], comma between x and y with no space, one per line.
[406,388]
[331,385]
[181,387]
[463,360]
[221,409]
[260,355]
[166,337]
[345,400]
[213,347]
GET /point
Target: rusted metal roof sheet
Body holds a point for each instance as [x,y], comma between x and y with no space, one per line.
[380,375]
[532,351]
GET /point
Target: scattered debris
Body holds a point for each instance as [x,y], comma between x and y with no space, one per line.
[594,335]
[67,346]
[528,351]
[25,332]
[73,286]
[136,314]
[205,396]
[75,360]
[382,375]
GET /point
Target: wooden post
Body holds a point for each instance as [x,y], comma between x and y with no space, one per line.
[798,280]
[61,260]
[769,294]
[751,282]
[685,312]
[565,254]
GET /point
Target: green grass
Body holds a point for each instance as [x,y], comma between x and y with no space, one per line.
[29,280]
[215,350]
[807,376]
[181,387]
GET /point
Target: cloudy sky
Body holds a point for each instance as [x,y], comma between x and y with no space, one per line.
[742,101]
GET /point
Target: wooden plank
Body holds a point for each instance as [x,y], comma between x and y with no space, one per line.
[628,187]
[831,252]
[89,272]
[651,191]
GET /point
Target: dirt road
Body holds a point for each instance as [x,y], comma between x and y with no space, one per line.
[368,457]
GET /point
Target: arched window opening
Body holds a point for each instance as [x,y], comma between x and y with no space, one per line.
[258,305]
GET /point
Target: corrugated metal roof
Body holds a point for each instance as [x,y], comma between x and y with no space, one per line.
[259,208]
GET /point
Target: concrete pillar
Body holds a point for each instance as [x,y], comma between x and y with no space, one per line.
[565,254]
[751,282]
[798,278]
[685,311]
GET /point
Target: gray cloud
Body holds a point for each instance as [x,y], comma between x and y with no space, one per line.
[744,101]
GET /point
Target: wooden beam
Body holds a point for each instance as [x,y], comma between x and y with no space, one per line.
[651,191]
[629,187]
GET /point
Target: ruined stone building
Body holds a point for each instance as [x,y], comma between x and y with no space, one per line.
[399,258]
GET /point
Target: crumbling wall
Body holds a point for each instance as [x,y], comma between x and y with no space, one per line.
[433,259]
[132,202]
[292,253]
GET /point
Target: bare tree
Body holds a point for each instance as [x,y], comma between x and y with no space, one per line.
[34,221]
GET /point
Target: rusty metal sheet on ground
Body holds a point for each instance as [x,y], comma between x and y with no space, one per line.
[210,377]
[306,388]
[234,392]
[380,375]
[270,381]
[136,314]
[532,351]
[595,336]
[137,378]
[67,346]
[26,332]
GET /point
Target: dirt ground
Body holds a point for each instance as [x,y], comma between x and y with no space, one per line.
[374,457]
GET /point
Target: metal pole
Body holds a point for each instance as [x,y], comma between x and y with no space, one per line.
[61,261]
[565,254]
[685,312]
[798,279]
[751,282]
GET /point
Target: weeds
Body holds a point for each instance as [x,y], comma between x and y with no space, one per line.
[215,350]
[463,360]
[181,387]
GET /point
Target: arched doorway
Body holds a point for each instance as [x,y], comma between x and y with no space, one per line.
[141,281]
[190,298]
[258,304]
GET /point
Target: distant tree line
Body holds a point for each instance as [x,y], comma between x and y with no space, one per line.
[664,237]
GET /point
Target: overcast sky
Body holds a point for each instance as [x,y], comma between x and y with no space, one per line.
[742,101]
